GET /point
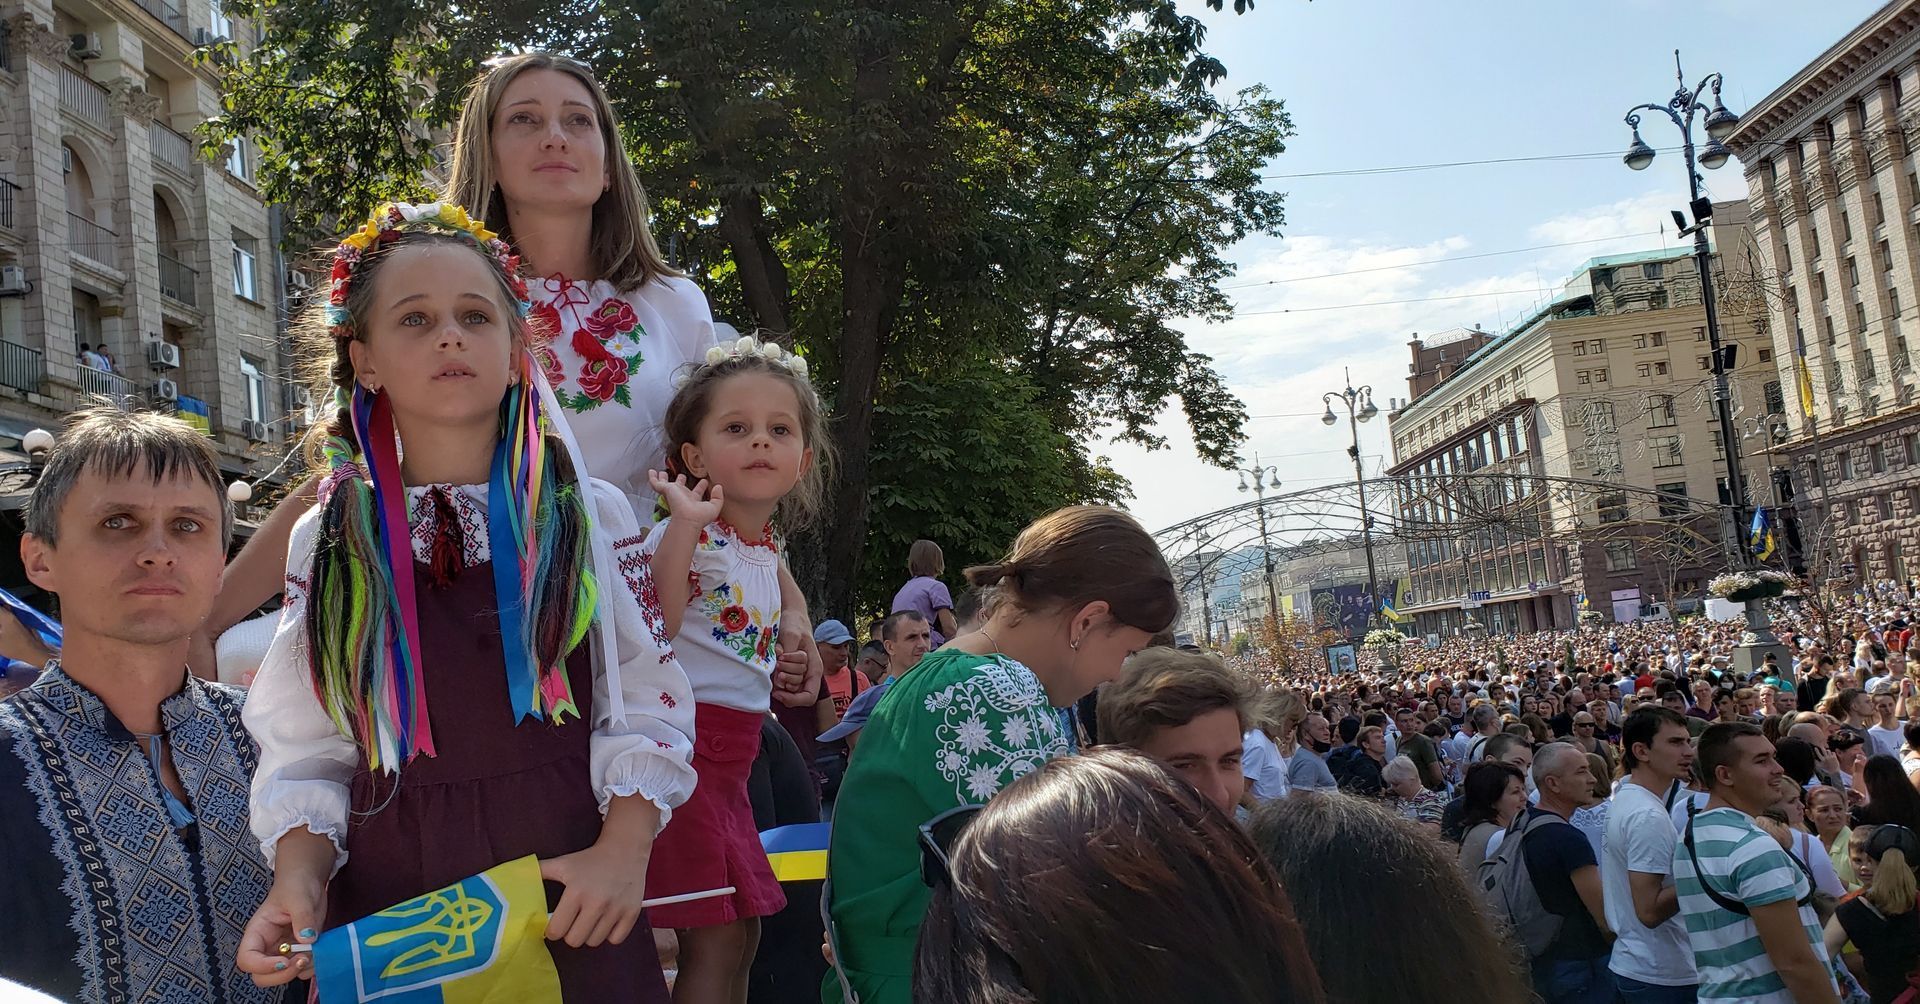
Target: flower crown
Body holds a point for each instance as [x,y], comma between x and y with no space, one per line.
[395,218]
[748,346]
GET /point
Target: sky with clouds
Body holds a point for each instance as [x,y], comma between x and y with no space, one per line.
[1380,84]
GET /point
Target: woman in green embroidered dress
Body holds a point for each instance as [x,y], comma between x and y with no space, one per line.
[1082,589]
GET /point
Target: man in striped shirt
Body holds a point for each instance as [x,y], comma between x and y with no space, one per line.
[1747,904]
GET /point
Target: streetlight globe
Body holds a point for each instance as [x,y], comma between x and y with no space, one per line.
[1720,122]
[1715,156]
[1368,411]
[1243,482]
[1328,419]
[37,441]
[1639,154]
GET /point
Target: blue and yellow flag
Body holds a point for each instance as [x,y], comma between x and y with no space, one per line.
[481,940]
[798,853]
[1390,607]
[1761,539]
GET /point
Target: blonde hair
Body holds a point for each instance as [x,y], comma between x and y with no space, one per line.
[1892,890]
[621,244]
[924,558]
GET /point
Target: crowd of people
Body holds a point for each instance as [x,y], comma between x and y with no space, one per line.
[535,602]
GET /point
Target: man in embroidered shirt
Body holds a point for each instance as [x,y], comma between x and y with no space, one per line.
[123,780]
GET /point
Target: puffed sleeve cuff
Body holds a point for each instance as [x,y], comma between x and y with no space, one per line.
[335,832]
[633,764]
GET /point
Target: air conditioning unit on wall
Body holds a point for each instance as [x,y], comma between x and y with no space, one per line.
[164,390]
[163,355]
[84,46]
[255,431]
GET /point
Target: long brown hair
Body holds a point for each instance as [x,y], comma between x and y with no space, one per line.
[1104,878]
[1080,554]
[622,246]
[1347,863]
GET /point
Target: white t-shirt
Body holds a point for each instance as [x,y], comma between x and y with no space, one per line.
[612,360]
[1261,763]
[730,632]
[1887,741]
[1640,838]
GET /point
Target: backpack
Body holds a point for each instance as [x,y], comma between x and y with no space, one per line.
[1508,887]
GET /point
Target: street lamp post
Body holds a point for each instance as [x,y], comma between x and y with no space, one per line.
[1720,123]
[1360,408]
[1263,479]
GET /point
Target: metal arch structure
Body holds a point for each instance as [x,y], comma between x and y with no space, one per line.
[1479,510]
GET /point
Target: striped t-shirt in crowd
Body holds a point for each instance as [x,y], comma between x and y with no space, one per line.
[1747,866]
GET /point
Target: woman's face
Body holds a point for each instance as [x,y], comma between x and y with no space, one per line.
[1529,705]
[1104,646]
[1511,801]
[548,150]
[1829,812]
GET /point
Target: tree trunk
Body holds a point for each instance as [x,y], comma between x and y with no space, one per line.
[763,276]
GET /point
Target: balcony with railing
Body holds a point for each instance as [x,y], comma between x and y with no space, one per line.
[169,14]
[170,149]
[99,381]
[9,193]
[91,239]
[84,97]
[178,280]
[21,368]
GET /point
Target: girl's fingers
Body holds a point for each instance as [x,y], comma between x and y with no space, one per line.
[623,928]
[563,917]
[601,930]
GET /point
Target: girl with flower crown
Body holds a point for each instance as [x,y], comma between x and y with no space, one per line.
[537,157]
[458,680]
[747,439]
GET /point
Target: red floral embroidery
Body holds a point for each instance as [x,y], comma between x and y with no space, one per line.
[734,619]
[550,365]
[604,372]
[667,699]
[544,318]
[612,317]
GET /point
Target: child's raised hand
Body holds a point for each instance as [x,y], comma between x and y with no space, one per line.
[695,503]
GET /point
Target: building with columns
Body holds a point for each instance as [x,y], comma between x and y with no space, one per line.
[117,234]
[1833,179]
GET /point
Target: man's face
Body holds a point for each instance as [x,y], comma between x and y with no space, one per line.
[1702,690]
[1861,708]
[911,639]
[834,657]
[1375,744]
[1674,702]
[1205,751]
[1744,705]
[873,664]
[1850,757]
[1456,706]
[1404,721]
[1317,729]
[1883,706]
[1753,772]
[1575,781]
[1671,754]
[138,561]
[1727,707]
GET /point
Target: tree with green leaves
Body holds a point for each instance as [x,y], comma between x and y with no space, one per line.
[980,220]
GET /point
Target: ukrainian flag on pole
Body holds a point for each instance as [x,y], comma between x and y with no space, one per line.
[481,940]
[1760,538]
[798,853]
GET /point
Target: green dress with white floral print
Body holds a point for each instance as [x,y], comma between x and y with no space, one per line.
[953,731]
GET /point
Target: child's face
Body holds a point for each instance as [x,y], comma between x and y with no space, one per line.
[751,442]
[548,152]
[437,337]
[1863,865]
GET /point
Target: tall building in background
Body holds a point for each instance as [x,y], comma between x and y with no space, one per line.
[1834,186]
[1607,385]
[116,234]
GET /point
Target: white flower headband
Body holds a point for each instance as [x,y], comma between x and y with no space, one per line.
[747,346]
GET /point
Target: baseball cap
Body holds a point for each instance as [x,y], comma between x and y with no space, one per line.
[857,713]
[832,632]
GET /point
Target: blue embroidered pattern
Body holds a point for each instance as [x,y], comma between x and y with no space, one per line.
[157,913]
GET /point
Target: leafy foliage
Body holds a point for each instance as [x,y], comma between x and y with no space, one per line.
[943,202]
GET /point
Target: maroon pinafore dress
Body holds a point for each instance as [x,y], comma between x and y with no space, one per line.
[494,792]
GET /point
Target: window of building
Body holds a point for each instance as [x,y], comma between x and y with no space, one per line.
[238,163]
[1639,341]
[1660,368]
[1775,399]
[1893,308]
[1665,450]
[1846,227]
[1879,217]
[1877,458]
[1815,474]
[1846,466]
[1820,286]
[1885,504]
[1813,241]
[1699,334]
[1853,272]
[1582,378]
[256,383]
[1620,557]
[1600,376]
[1644,369]
[1653,270]
[1602,412]
[1766,355]
[1660,410]
[1673,499]
[1826,326]
[1603,277]
[1657,299]
[245,268]
[1910,449]
[1597,346]
[1866,365]
[1859,316]
[1613,507]
[1706,363]
[221,24]
[1659,338]
[1579,348]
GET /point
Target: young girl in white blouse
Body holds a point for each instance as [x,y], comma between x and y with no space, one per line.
[746,439]
[454,683]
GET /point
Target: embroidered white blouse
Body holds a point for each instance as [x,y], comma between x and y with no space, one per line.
[729,634]
[611,361]
[306,765]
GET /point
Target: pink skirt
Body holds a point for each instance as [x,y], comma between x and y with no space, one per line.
[711,841]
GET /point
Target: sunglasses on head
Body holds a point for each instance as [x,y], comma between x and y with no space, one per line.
[936,841]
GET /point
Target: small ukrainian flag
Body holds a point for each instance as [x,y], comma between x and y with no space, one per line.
[1761,539]
[798,853]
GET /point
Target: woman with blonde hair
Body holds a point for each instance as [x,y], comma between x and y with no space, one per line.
[1882,923]
[1267,748]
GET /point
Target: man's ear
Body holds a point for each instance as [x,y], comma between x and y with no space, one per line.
[37,555]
